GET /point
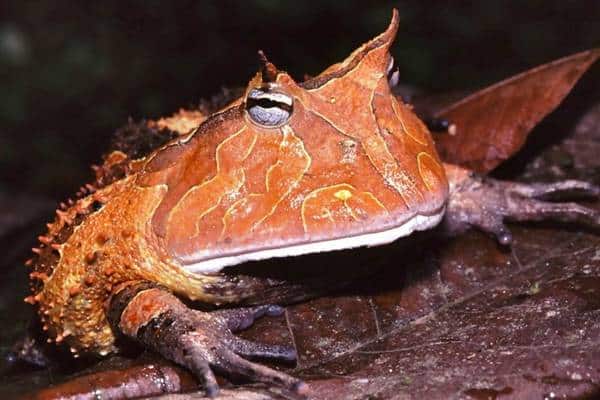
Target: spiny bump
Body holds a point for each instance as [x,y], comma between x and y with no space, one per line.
[64,217]
[44,239]
[268,70]
[91,258]
[41,276]
[74,291]
[61,336]
[101,239]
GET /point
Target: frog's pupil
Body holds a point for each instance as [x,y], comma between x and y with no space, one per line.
[268,109]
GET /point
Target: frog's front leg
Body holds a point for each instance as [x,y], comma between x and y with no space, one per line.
[199,341]
[485,203]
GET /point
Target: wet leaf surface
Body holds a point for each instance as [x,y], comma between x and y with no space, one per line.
[493,123]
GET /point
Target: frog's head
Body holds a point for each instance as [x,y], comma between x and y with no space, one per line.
[291,168]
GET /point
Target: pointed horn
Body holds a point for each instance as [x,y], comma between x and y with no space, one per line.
[387,37]
[384,39]
[268,70]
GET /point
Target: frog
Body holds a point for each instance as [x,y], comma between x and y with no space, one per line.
[288,169]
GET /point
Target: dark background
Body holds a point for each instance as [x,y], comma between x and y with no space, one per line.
[73,72]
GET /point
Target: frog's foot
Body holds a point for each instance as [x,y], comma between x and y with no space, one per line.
[200,341]
[485,203]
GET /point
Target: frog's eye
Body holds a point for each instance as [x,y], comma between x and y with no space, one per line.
[269,109]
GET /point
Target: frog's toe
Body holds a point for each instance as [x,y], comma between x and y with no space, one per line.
[496,228]
[527,202]
[202,355]
[233,364]
[200,341]
[201,368]
[535,210]
[238,319]
[248,349]
[567,189]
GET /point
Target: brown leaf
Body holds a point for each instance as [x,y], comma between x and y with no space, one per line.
[493,124]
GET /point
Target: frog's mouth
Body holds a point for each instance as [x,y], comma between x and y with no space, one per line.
[376,238]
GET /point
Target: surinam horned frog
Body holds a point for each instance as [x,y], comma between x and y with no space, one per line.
[290,168]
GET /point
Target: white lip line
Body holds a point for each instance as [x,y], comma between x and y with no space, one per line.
[416,223]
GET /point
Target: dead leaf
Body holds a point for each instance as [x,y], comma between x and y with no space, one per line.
[493,124]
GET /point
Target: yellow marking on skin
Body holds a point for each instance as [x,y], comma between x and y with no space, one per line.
[345,193]
[426,172]
[288,134]
[206,197]
[400,180]
[351,211]
[235,188]
[269,172]
[372,198]
[327,214]
[404,128]
[375,200]
[246,214]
